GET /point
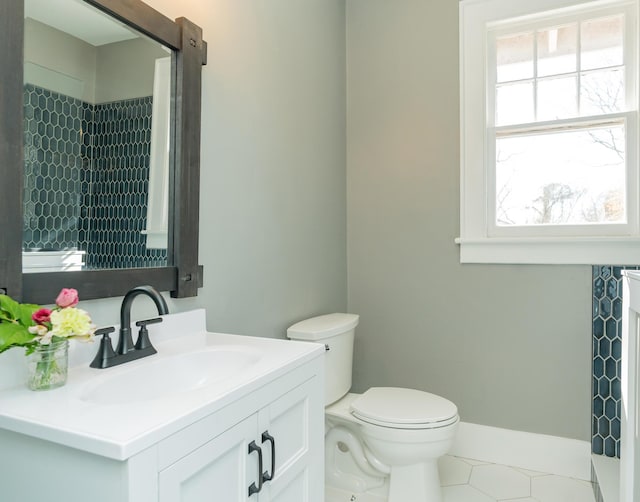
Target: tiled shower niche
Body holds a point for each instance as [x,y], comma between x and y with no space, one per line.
[607,353]
[86,178]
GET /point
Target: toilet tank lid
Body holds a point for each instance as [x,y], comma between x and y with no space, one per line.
[324,326]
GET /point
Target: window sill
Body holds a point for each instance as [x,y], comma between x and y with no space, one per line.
[551,251]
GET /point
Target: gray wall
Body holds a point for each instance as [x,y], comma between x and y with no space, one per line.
[110,72]
[273,222]
[124,70]
[510,345]
[70,59]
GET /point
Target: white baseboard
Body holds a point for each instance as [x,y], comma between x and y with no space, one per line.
[535,452]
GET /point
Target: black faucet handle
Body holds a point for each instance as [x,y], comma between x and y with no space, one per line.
[105,352]
[104,332]
[143,342]
[145,322]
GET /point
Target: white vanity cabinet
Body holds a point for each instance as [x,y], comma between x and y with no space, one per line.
[203,457]
[238,465]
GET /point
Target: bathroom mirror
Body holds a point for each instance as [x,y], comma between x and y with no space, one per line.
[96,141]
[108,152]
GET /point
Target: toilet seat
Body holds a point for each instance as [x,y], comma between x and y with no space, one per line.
[400,408]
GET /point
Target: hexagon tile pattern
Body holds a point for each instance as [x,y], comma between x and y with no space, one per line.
[607,352]
[120,137]
[466,480]
[53,164]
[86,177]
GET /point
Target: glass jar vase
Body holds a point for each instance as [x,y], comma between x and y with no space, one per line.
[47,366]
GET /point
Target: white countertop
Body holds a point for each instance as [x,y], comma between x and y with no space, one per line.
[118,431]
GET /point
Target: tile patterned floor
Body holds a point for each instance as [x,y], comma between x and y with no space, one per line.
[465,480]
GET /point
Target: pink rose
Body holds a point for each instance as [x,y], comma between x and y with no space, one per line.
[41,316]
[68,297]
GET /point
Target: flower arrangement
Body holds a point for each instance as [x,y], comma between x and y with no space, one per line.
[32,326]
[45,334]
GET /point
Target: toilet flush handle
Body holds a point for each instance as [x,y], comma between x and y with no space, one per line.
[326,347]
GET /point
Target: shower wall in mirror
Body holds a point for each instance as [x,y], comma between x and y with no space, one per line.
[88,108]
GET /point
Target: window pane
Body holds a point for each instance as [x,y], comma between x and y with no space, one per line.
[601,41]
[514,57]
[514,103]
[557,50]
[557,98]
[574,178]
[602,92]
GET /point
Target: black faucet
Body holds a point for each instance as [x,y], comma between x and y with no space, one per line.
[126,350]
[125,343]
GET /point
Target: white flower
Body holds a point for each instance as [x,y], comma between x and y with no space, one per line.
[38,330]
[71,322]
[43,335]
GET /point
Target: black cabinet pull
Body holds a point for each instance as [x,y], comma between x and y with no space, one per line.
[268,437]
[253,488]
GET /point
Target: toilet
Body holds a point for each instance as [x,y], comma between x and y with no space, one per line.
[386,441]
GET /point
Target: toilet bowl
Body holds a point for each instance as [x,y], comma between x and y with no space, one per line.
[387,439]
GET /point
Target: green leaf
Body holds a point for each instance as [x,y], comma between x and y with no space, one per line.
[10,307]
[11,310]
[26,310]
[14,335]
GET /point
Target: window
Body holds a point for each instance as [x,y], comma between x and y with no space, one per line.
[549,132]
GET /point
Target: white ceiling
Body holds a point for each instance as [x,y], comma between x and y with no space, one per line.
[78,19]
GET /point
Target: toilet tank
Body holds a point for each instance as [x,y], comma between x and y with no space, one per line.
[336,332]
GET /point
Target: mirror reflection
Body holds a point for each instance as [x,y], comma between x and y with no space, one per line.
[96,164]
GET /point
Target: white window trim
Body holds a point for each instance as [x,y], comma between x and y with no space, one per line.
[476,243]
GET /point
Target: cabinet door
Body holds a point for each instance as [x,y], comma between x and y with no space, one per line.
[295,422]
[219,471]
[290,435]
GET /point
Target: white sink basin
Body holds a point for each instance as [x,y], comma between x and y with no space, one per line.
[171,375]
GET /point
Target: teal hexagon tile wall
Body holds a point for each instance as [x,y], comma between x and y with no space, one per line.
[607,353]
[121,142]
[53,164]
[86,177]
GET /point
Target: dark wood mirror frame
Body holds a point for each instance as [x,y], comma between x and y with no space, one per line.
[183,276]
